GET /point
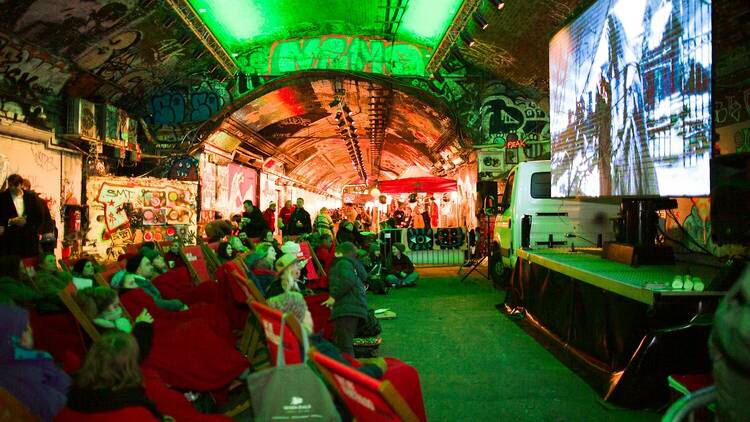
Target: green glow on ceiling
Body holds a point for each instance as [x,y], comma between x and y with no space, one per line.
[255,34]
[429,19]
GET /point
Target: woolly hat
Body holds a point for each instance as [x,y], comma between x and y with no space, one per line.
[254,257]
[291,248]
[346,248]
[292,303]
[285,261]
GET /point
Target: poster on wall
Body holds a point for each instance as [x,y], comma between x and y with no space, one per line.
[125,210]
[242,182]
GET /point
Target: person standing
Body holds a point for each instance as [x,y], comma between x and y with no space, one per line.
[285,213]
[252,224]
[270,216]
[299,221]
[348,301]
[20,220]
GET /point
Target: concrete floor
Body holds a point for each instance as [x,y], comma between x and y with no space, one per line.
[477,365]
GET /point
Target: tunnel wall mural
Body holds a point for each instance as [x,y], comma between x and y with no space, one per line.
[124,210]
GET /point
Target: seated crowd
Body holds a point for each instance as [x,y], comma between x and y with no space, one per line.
[158,330]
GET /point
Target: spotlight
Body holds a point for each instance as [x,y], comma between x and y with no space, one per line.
[349,119]
[334,103]
[353,129]
[342,123]
[468,39]
[438,77]
[347,110]
[338,115]
[480,20]
[499,4]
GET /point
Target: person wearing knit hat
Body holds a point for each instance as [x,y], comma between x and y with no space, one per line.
[157,261]
[29,375]
[294,304]
[139,273]
[291,248]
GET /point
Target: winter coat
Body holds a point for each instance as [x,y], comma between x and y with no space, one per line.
[402,264]
[301,215]
[345,283]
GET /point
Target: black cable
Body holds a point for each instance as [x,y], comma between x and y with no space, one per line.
[686,247]
[687,234]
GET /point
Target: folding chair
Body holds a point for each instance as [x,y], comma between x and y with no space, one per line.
[685,408]
[196,263]
[212,260]
[12,410]
[270,320]
[367,398]
[66,295]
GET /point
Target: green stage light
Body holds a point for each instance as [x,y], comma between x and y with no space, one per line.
[271,37]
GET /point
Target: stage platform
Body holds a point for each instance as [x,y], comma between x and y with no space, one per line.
[626,324]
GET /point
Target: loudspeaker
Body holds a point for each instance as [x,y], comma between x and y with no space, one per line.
[487,195]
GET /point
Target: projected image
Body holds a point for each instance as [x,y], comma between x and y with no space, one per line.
[630,94]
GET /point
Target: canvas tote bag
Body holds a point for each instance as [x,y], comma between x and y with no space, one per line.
[290,392]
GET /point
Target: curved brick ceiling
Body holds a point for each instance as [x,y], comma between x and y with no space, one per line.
[296,125]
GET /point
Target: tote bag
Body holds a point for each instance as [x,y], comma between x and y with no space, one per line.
[290,392]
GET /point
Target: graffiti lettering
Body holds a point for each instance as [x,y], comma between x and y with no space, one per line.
[185,105]
[43,160]
[343,52]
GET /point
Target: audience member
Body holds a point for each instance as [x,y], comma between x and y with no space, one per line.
[348,299]
[49,279]
[401,273]
[158,264]
[21,217]
[252,224]
[299,221]
[139,273]
[218,229]
[325,254]
[14,287]
[270,216]
[173,257]
[288,272]
[238,246]
[324,223]
[347,233]
[730,351]
[109,385]
[285,213]
[29,375]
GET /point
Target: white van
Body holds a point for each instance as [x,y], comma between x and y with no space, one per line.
[559,223]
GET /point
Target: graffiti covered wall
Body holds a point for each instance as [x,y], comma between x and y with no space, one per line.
[125,210]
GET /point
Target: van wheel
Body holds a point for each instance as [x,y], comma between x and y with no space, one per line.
[498,272]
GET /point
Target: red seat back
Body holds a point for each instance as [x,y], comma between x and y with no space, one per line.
[29,264]
[367,398]
[195,260]
[270,320]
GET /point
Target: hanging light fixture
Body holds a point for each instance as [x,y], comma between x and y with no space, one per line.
[499,4]
[468,39]
[481,22]
[347,110]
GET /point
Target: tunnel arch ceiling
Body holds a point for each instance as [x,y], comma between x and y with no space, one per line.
[294,123]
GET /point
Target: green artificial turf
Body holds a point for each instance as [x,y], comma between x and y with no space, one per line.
[477,365]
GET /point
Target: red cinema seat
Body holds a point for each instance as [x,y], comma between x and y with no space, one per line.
[196,262]
[367,398]
[270,320]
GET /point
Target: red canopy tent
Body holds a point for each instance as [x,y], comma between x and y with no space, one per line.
[418,184]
